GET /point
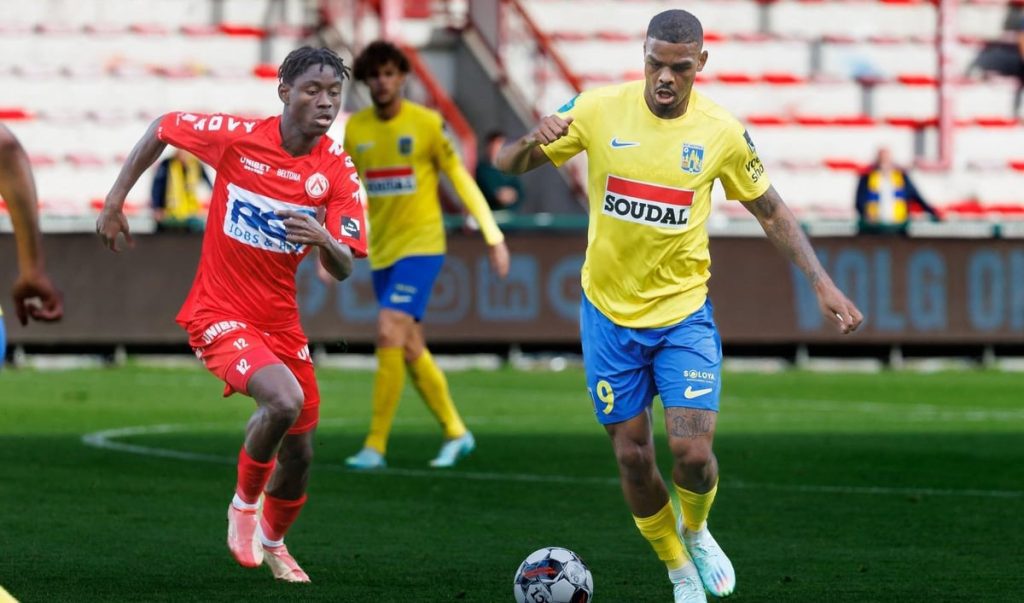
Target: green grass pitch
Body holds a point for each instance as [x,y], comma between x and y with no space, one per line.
[888,487]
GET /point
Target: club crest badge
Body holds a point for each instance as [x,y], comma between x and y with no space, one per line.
[693,158]
[316,185]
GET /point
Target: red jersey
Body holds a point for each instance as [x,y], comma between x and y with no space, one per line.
[247,267]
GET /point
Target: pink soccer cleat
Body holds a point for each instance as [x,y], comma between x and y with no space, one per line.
[242,540]
[283,565]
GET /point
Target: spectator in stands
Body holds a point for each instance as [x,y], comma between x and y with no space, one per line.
[175,195]
[34,295]
[885,193]
[502,191]
[1005,54]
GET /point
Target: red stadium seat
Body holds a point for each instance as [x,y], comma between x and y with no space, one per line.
[916,79]
[812,120]
[767,120]
[15,114]
[916,123]
[853,120]
[417,9]
[735,77]
[996,122]
[247,31]
[843,164]
[265,70]
[199,30]
[782,78]
[41,160]
[148,29]
[85,160]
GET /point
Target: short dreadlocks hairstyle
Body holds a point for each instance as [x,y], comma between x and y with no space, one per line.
[675,26]
[375,56]
[301,59]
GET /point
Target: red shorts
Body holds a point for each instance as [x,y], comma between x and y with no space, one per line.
[234,351]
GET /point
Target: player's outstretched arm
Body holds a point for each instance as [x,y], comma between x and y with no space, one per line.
[305,229]
[468,190]
[112,220]
[19,191]
[525,154]
[785,233]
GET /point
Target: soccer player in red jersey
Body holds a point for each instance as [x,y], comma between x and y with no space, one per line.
[283,187]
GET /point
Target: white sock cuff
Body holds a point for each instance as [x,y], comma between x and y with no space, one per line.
[268,542]
[241,505]
[687,571]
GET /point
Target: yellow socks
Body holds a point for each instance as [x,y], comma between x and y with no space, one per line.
[433,387]
[660,530]
[387,389]
[695,507]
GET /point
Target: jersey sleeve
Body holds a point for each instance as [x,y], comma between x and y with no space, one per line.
[346,214]
[742,175]
[205,136]
[565,148]
[450,162]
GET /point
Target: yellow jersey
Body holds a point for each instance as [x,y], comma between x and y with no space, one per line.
[649,181]
[398,161]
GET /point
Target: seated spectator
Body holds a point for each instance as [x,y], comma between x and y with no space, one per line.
[1005,55]
[885,195]
[502,191]
[175,195]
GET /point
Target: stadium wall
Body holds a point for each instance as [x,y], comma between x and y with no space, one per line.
[943,291]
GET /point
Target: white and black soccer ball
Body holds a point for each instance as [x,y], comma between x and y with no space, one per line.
[553,575]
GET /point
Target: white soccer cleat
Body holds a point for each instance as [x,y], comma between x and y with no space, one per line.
[367,458]
[689,590]
[283,565]
[714,567]
[242,541]
[453,450]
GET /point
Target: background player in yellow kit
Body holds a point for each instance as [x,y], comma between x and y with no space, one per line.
[654,149]
[399,147]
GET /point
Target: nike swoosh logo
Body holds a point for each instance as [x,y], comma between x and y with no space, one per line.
[621,144]
[363,146]
[691,393]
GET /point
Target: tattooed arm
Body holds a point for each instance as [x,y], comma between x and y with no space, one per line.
[788,237]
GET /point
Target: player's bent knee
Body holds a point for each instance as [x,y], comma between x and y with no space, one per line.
[634,458]
[308,419]
[694,459]
[284,402]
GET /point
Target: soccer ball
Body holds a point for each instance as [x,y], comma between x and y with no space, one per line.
[553,575]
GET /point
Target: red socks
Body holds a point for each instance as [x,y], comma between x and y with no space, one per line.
[279,515]
[252,477]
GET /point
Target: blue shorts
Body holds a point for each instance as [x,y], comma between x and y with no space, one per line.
[627,367]
[405,285]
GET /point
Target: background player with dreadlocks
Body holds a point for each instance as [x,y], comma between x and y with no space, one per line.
[282,188]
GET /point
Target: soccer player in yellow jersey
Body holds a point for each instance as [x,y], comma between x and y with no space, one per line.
[399,147]
[654,148]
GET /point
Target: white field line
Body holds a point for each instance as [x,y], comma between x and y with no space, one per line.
[107,440]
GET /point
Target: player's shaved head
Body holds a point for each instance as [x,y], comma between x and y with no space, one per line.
[676,27]
[301,59]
